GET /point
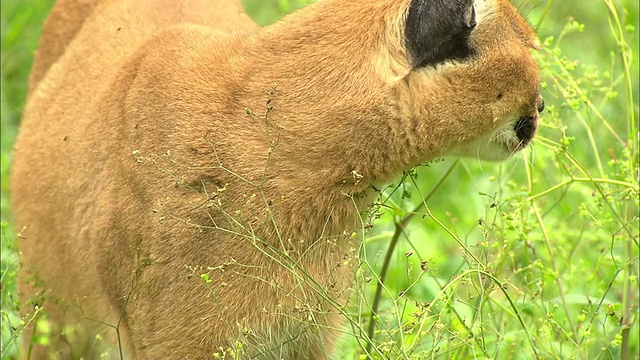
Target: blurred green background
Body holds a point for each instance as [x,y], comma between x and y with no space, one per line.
[556,229]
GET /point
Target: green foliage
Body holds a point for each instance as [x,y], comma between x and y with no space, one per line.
[21,26]
[534,258]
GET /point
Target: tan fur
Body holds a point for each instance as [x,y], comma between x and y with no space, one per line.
[198,185]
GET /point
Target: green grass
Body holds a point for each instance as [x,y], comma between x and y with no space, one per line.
[534,258]
[21,26]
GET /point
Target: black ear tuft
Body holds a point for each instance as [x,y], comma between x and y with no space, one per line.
[438,30]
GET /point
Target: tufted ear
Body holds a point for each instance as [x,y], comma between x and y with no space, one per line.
[439,30]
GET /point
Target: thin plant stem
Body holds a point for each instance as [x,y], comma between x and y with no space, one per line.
[399,228]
